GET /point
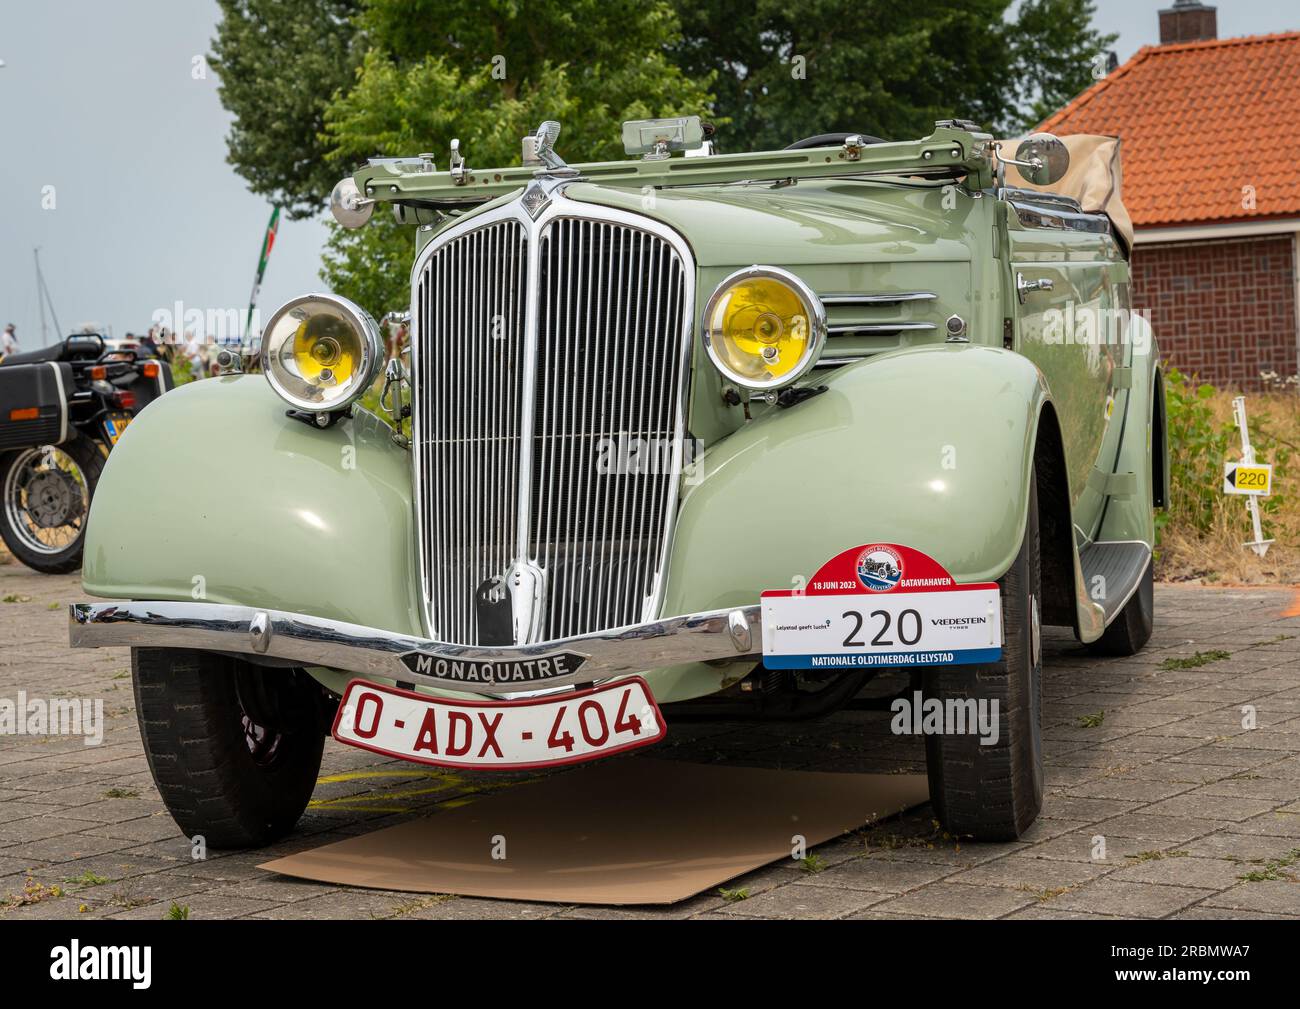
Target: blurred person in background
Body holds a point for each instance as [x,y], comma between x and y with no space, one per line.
[9,341]
[192,351]
[166,347]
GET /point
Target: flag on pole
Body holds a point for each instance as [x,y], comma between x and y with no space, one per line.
[267,242]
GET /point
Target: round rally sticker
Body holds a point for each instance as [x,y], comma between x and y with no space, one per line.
[879,567]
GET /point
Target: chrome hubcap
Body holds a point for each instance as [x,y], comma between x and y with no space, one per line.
[263,743]
[53,499]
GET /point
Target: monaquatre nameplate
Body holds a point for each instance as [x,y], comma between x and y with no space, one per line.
[534,669]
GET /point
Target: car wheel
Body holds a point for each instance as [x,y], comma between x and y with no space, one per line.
[234,749]
[993,792]
[1131,629]
[45,494]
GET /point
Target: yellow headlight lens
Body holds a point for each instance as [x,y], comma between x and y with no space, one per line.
[325,350]
[764,328]
[321,352]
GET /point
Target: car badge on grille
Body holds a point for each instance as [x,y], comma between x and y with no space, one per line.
[535,200]
[492,607]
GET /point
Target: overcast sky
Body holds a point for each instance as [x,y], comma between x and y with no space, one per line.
[98,101]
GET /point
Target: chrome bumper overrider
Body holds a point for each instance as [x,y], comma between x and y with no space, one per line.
[314,641]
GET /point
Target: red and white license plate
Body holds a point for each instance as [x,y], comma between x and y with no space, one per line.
[561,728]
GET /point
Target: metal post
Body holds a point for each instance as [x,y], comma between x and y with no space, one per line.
[1259,544]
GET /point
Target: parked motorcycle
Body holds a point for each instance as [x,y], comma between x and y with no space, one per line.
[62,409]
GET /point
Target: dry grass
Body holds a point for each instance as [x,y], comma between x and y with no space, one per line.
[1217,555]
[1220,559]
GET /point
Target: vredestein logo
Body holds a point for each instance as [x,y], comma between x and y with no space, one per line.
[75,962]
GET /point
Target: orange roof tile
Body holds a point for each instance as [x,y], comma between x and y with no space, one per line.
[1199,122]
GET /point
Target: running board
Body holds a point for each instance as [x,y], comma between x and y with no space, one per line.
[1112,572]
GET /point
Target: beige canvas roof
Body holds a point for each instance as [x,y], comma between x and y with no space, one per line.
[1094,179]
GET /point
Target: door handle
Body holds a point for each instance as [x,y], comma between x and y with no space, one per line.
[1025,287]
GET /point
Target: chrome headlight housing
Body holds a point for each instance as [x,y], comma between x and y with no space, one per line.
[764,328]
[320,352]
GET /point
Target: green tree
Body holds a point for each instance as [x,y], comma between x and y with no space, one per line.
[317,86]
[279,63]
[1057,54]
[786,69]
[488,73]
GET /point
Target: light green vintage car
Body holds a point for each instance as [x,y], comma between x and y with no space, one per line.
[676,425]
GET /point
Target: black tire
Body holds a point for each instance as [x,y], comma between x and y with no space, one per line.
[1131,629]
[90,460]
[193,708]
[993,793]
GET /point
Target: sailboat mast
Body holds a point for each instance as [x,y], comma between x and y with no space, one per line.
[43,293]
[40,297]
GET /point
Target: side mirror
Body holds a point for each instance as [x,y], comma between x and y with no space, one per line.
[1042,159]
[348,206]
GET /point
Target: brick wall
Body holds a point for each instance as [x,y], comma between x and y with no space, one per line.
[1222,309]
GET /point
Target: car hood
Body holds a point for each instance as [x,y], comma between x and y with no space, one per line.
[812,222]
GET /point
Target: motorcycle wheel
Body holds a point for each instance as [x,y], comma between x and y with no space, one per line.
[45,495]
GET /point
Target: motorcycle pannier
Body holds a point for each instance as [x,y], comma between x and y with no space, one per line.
[34,404]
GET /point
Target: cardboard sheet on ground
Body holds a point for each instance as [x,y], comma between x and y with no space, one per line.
[635,831]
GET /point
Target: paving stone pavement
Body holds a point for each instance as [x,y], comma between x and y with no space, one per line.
[1160,803]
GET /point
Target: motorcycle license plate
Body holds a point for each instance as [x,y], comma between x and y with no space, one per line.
[114,425]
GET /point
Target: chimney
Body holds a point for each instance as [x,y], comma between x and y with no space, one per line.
[1188,21]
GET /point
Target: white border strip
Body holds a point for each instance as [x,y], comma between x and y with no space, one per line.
[63,402]
[1247,229]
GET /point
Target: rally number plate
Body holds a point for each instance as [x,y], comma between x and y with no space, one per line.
[908,629]
[881,604]
[561,728]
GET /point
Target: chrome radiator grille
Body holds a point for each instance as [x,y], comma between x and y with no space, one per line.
[548,422]
[608,391]
[469,306]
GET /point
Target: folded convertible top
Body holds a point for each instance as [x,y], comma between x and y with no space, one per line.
[1094,179]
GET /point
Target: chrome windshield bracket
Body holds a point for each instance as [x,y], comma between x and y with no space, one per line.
[460,175]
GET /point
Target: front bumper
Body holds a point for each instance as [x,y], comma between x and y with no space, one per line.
[278,637]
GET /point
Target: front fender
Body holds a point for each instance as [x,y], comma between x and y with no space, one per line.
[213,493]
[930,447]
